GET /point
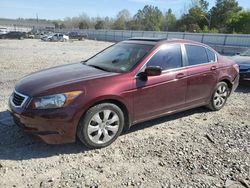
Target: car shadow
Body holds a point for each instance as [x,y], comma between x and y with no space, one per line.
[166,118]
[16,145]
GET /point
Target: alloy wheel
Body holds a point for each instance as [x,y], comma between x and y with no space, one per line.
[220,96]
[103,126]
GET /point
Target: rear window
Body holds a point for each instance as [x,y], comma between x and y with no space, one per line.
[196,55]
[210,55]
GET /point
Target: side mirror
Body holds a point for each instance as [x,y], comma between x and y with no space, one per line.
[153,71]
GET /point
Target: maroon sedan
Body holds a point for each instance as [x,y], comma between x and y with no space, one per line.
[130,82]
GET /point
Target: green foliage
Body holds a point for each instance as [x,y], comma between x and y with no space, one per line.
[222,13]
[196,18]
[83,25]
[240,22]
[122,19]
[168,22]
[226,16]
[100,24]
[207,30]
[149,18]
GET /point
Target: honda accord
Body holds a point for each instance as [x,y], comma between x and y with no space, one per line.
[130,82]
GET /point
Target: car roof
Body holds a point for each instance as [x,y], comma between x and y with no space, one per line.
[160,41]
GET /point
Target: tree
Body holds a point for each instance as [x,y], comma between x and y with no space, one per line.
[168,21]
[222,13]
[202,4]
[196,18]
[83,25]
[240,22]
[62,26]
[121,20]
[56,24]
[100,24]
[149,18]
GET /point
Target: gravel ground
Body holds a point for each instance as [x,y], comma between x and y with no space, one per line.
[196,148]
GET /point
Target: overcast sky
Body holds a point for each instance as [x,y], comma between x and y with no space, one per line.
[59,9]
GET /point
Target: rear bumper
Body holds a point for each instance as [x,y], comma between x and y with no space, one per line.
[42,124]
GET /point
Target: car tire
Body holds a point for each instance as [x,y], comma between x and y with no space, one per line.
[101,125]
[219,96]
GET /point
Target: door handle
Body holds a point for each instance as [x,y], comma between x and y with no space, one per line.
[213,68]
[180,75]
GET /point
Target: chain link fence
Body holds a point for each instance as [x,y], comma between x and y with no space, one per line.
[224,43]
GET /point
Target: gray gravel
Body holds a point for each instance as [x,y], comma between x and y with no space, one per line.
[196,148]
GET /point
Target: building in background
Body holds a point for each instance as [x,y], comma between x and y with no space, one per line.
[25,25]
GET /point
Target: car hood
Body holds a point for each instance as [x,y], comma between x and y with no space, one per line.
[241,59]
[44,80]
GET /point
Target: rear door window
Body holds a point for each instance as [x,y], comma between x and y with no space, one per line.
[196,55]
[210,55]
[169,57]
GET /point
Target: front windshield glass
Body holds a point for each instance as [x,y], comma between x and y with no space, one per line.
[121,57]
[246,53]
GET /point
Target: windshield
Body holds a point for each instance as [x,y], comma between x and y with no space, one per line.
[246,53]
[121,57]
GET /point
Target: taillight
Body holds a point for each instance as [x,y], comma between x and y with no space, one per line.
[237,68]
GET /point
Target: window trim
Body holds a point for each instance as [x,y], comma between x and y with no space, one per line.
[206,47]
[160,48]
[185,63]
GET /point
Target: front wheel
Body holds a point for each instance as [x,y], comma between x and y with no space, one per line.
[219,97]
[101,125]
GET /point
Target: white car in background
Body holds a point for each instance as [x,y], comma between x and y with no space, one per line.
[57,37]
[3,30]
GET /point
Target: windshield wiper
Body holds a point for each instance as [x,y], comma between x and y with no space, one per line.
[98,67]
[84,62]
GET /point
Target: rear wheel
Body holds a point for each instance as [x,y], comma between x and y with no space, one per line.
[219,97]
[101,125]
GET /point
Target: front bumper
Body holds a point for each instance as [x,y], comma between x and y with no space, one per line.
[245,75]
[57,126]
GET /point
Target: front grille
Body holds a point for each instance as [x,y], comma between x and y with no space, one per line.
[18,99]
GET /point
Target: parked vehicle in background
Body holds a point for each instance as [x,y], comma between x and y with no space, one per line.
[13,35]
[3,30]
[30,35]
[78,36]
[129,82]
[243,60]
[44,37]
[58,37]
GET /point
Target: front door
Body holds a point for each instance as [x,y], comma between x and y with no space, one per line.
[160,94]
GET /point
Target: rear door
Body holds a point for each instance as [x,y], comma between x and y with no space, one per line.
[163,93]
[202,73]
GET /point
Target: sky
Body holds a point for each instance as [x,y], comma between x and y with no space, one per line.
[59,9]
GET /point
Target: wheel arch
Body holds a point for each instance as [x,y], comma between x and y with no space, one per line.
[228,82]
[118,103]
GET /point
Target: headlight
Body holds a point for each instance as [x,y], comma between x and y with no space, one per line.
[55,101]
